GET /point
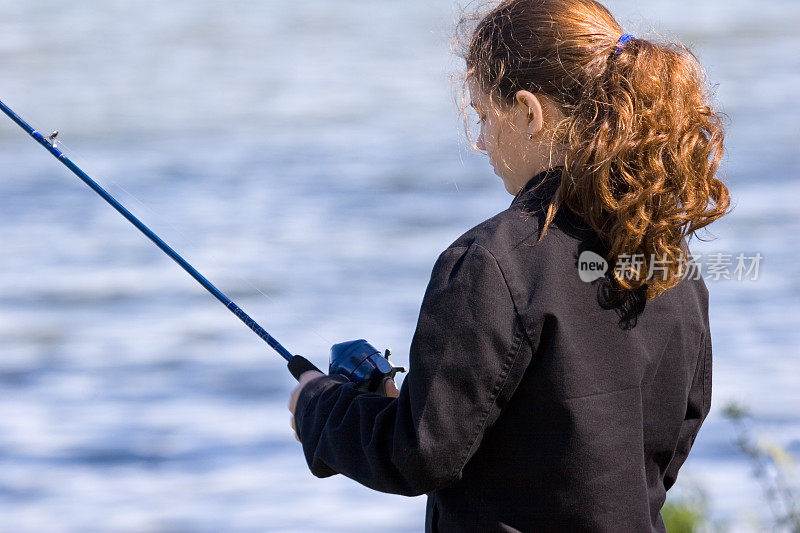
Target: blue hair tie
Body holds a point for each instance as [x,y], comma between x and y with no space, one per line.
[624,38]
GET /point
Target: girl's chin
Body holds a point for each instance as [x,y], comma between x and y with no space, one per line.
[507,187]
[505,182]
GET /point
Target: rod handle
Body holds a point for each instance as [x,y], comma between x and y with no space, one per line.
[299,364]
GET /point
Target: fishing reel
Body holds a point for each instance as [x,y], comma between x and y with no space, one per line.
[357,360]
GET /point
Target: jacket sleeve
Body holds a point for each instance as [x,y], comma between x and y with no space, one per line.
[697,408]
[466,360]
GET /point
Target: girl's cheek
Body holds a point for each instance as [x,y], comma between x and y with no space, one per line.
[491,137]
[486,133]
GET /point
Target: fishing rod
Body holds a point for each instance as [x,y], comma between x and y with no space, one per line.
[356,360]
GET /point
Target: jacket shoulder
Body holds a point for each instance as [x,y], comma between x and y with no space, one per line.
[503,232]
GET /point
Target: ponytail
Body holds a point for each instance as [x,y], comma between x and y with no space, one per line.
[642,140]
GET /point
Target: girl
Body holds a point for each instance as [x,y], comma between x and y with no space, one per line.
[561,364]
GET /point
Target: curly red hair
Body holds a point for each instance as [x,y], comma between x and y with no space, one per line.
[643,142]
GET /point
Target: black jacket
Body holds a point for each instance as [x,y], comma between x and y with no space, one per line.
[535,401]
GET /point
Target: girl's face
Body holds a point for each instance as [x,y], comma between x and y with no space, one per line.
[505,135]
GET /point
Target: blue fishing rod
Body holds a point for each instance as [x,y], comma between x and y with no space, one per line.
[357,360]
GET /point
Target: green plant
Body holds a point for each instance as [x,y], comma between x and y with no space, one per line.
[682,517]
[772,466]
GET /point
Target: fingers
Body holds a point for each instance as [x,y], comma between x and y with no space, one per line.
[390,389]
[294,429]
[305,377]
[293,399]
[292,406]
[308,375]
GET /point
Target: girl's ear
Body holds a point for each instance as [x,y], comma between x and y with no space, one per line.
[532,109]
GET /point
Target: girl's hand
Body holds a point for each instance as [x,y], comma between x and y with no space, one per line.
[389,389]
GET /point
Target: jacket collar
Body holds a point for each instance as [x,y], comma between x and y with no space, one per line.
[549,179]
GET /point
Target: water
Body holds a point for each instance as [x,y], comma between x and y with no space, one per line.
[306,158]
